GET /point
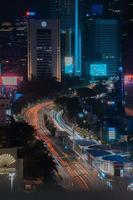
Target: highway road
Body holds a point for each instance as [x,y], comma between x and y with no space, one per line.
[75,175]
[116,184]
[72,177]
[61,125]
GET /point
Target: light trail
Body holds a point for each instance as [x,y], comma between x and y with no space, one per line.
[34,116]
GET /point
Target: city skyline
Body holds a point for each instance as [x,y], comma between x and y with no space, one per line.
[66,96]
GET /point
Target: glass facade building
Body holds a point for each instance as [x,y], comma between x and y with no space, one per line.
[68,12]
[104,42]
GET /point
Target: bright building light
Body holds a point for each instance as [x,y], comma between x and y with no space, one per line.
[111,103]
[69,67]
[98,70]
[112,133]
[128,79]
[10,80]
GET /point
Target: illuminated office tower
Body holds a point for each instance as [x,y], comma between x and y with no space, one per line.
[43,49]
[64,11]
[67,11]
[20,37]
[13,48]
[105,52]
[92,10]
[6,46]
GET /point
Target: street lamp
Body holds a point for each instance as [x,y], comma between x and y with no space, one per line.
[73,129]
[73,138]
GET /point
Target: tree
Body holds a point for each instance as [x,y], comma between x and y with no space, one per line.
[21,133]
[86,92]
[73,107]
[4,136]
[38,163]
[100,88]
[61,101]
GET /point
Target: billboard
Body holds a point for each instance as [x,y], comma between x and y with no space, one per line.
[98,70]
[10,80]
[69,67]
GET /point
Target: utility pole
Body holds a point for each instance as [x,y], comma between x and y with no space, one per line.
[127,147]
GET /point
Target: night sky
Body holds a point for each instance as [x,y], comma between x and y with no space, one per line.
[11,9]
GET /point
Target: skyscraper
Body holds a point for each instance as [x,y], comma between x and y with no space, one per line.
[91,12]
[6,46]
[105,53]
[77,70]
[67,11]
[64,11]
[13,49]
[20,37]
[43,49]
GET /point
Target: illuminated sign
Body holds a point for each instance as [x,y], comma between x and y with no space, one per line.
[112,103]
[30,14]
[112,133]
[98,70]
[10,80]
[69,65]
[128,79]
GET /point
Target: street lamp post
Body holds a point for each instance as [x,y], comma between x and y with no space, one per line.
[73,138]
[127,147]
